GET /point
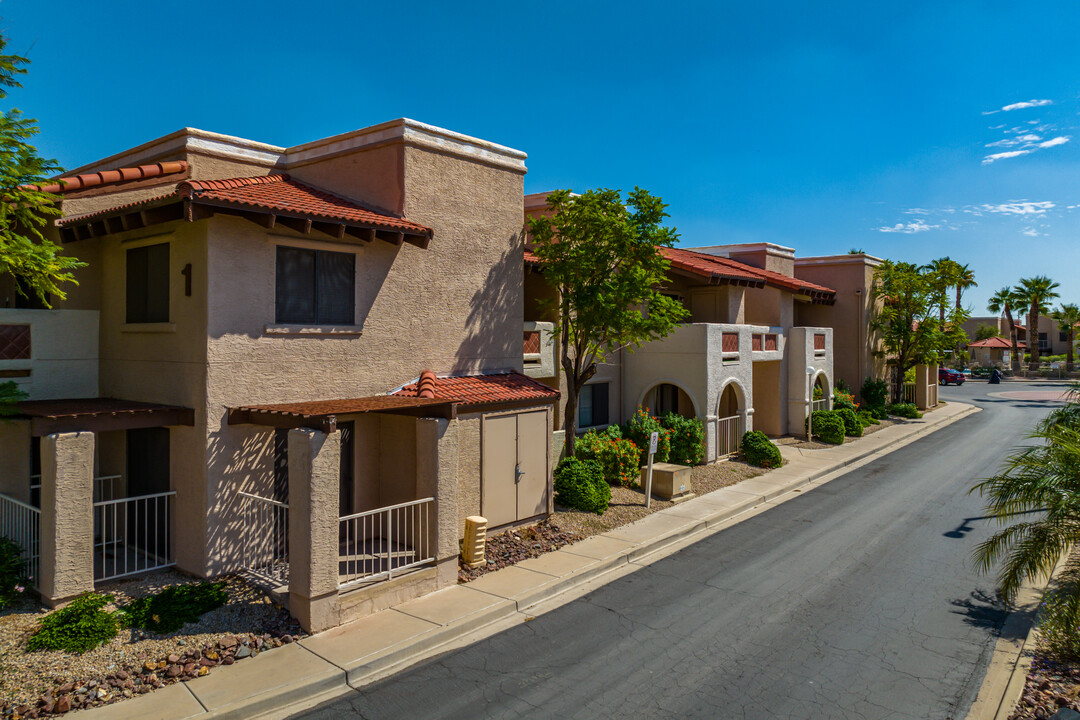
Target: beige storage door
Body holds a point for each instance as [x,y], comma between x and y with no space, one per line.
[532,464]
[499,497]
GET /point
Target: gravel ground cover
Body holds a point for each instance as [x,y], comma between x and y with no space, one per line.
[44,683]
[1050,686]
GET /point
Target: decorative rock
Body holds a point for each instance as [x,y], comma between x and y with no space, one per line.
[173,658]
[127,693]
[189,668]
[63,704]
[65,688]
[210,655]
[226,643]
[242,652]
[203,671]
[206,662]
[181,642]
[173,671]
[128,684]
[102,693]
[227,660]
[287,639]
[123,674]
[149,666]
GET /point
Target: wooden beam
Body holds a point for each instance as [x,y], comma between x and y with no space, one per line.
[363,233]
[420,241]
[390,236]
[300,225]
[102,422]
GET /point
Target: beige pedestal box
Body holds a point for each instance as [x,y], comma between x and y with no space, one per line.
[669,481]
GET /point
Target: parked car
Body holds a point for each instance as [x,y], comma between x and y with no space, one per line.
[946,376]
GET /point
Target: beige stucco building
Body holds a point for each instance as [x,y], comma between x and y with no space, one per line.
[236,382]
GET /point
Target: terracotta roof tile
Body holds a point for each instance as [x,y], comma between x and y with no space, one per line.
[996,342]
[473,390]
[270,193]
[346,406]
[85,181]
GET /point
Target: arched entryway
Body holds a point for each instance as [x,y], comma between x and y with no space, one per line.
[731,419]
[668,397]
[822,394]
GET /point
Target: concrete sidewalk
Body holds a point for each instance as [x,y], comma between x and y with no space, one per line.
[335,662]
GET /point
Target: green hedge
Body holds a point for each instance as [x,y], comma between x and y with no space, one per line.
[828,427]
[867,418]
[639,428]
[687,439]
[759,450]
[852,426]
[905,410]
[580,484]
[80,626]
[618,457]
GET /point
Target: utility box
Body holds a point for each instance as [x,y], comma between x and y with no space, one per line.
[669,481]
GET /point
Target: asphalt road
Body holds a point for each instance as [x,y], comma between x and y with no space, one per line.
[855,600]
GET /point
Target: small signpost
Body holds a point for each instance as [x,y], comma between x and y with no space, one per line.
[654,438]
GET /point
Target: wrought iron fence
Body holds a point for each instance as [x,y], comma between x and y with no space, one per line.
[266,538]
[729,432]
[131,535]
[379,543]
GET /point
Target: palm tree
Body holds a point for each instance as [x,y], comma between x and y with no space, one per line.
[1067,317]
[964,279]
[1003,301]
[1036,292]
[943,274]
[1044,480]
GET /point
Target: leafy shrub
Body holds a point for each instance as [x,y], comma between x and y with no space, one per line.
[875,393]
[844,401]
[618,458]
[852,426]
[842,386]
[613,431]
[1059,619]
[81,626]
[687,436]
[867,418]
[12,572]
[759,450]
[167,611]
[828,427]
[880,412]
[638,429]
[909,375]
[905,410]
[580,484]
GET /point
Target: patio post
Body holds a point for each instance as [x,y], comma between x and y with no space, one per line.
[67,516]
[436,476]
[314,466]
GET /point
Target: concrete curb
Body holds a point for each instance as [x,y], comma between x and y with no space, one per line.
[1007,672]
[337,680]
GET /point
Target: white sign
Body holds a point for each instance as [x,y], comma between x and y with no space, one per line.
[1006,358]
[653,440]
[1055,366]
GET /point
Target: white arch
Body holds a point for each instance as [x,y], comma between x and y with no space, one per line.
[740,394]
[827,392]
[676,383]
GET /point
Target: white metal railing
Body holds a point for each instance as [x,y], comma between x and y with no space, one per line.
[266,538]
[909,392]
[822,404]
[106,487]
[379,543]
[131,535]
[729,434]
[21,523]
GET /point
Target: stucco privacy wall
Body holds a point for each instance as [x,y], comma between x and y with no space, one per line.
[801,355]
[454,307]
[63,353]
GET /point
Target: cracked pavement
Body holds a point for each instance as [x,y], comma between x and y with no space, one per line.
[854,600]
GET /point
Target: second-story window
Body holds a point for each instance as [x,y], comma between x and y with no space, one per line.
[593,405]
[148,284]
[315,287]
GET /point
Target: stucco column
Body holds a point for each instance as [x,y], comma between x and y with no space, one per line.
[436,476]
[67,516]
[314,467]
[15,459]
[923,394]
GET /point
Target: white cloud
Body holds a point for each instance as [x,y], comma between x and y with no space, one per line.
[1018,207]
[1031,232]
[912,227]
[916,211]
[1014,141]
[1003,156]
[1055,141]
[1021,106]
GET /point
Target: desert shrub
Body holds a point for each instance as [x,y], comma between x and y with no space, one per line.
[880,413]
[638,429]
[875,393]
[1059,619]
[12,572]
[852,426]
[843,401]
[618,458]
[867,418]
[613,431]
[759,450]
[905,410]
[828,427]
[81,626]
[842,386]
[580,484]
[168,610]
[687,439]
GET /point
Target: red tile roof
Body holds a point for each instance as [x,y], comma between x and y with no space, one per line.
[996,343]
[85,181]
[476,390]
[265,194]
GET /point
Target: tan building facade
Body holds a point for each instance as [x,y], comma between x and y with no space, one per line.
[254,310]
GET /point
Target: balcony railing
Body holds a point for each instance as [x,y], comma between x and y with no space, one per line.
[21,523]
[131,535]
[266,538]
[377,544]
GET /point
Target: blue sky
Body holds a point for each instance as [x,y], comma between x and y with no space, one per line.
[909,130]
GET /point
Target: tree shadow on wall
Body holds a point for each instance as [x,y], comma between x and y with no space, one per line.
[493,326]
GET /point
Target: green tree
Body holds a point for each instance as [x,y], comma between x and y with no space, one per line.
[964,278]
[942,274]
[985,332]
[1004,301]
[603,257]
[1036,292]
[915,322]
[1043,480]
[1067,317]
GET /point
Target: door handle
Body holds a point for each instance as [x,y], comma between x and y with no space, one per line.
[517,474]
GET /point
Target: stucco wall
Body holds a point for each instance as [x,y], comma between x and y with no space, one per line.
[468,473]
[63,353]
[15,459]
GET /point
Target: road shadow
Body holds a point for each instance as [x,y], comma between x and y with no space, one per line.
[982,610]
[965,525]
